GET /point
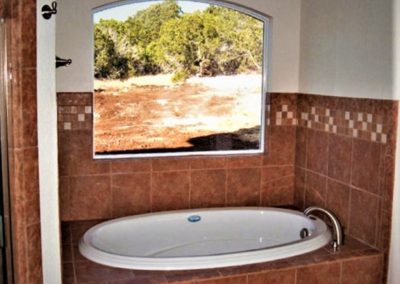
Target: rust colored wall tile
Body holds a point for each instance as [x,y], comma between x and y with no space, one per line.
[76,157]
[90,272]
[130,194]
[29,106]
[317,151]
[64,196]
[16,120]
[208,163]
[364,212]
[28,36]
[225,280]
[301,147]
[366,270]
[365,165]
[31,185]
[300,187]
[90,197]
[34,255]
[319,274]
[338,201]
[68,276]
[170,164]
[170,190]
[278,192]
[207,188]
[243,187]
[281,150]
[244,162]
[315,189]
[272,173]
[273,277]
[339,161]
[130,166]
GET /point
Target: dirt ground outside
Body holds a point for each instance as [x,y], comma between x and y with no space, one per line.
[152,114]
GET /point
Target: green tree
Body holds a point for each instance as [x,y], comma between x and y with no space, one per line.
[110,60]
[161,38]
[143,30]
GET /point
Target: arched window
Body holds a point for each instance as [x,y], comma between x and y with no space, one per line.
[176,78]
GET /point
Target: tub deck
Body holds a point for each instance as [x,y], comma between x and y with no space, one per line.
[355,263]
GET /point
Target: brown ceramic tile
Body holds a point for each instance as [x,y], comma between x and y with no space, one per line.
[170,190]
[74,99]
[34,254]
[282,146]
[31,185]
[16,123]
[363,216]
[66,253]
[384,230]
[278,192]
[365,165]
[90,197]
[64,197]
[315,189]
[28,36]
[317,151]
[272,173]
[66,233]
[243,187]
[300,187]
[338,201]
[130,166]
[207,188]
[367,270]
[244,162]
[208,163]
[130,193]
[225,280]
[319,274]
[339,161]
[90,271]
[187,275]
[301,147]
[273,277]
[160,279]
[387,179]
[68,274]
[170,164]
[79,144]
[29,106]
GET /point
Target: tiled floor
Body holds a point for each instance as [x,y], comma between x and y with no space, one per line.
[347,264]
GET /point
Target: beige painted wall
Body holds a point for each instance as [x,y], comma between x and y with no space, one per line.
[74,39]
[346,48]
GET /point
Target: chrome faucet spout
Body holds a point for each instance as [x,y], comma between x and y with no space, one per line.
[337,228]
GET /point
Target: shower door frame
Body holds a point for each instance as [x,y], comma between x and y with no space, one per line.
[4,114]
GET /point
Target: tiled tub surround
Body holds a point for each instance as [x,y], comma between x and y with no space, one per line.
[356,263]
[327,151]
[345,162]
[98,189]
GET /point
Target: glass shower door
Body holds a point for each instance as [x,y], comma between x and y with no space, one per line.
[5,218]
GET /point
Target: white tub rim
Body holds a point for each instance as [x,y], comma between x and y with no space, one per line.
[323,237]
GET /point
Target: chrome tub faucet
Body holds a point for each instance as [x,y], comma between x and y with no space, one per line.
[337,228]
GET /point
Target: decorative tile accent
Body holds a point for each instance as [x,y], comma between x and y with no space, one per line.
[74,111]
[361,125]
[285,116]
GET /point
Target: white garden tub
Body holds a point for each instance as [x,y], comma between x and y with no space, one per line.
[206,238]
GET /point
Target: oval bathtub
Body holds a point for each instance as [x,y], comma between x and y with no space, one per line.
[204,238]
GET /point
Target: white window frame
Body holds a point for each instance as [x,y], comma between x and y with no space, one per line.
[266,40]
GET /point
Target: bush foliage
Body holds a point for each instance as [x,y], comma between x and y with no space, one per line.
[163,39]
